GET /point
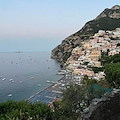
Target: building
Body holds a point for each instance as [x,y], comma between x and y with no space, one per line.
[95,54]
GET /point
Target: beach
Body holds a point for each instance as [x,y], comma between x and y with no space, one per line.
[53,92]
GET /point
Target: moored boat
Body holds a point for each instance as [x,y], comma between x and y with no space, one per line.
[10,95]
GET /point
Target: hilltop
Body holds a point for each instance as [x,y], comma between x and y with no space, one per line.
[109,19]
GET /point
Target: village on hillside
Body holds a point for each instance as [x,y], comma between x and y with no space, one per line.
[88,55]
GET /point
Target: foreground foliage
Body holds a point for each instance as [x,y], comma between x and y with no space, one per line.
[75,99]
[23,110]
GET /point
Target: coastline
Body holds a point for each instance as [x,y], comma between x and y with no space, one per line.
[53,92]
[49,88]
[37,93]
[46,88]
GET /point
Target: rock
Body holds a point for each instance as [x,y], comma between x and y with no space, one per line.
[115,7]
[86,110]
[105,108]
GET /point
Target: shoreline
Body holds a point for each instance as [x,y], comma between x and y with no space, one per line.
[37,93]
[53,92]
[49,88]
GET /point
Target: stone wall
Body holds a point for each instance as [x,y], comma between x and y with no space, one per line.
[104,108]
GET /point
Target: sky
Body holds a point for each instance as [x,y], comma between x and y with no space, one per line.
[40,25]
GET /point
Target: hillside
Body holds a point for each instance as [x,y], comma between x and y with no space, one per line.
[109,19]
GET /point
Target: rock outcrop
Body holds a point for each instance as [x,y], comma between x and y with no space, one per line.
[105,108]
[109,19]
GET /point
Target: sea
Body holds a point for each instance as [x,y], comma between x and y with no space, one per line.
[23,74]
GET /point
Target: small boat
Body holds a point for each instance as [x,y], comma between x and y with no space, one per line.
[21,81]
[48,81]
[32,77]
[4,79]
[52,82]
[11,80]
[10,95]
[39,85]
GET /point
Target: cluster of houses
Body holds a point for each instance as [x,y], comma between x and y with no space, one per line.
[89,53]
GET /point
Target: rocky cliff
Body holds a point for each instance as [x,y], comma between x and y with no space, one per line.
[105,108]
[109,19]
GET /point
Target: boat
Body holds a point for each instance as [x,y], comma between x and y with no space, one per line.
[52,82]
[48,81]
[21,81]
[10,95]
[4,79]
[32,77]
[39,85]
[11,80]
[61,72]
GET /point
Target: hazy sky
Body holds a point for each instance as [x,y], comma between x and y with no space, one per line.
[40,25]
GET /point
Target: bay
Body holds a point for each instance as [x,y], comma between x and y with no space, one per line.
[24,74]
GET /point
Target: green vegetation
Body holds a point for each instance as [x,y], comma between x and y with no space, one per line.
[86,63]
[112,72]
[23,110]
[76,98]
[111,68]
[104,83]
[94,26]
[71,105]
[110,59]
[97,69]
[118,44]
[66,56]
[104,57]
[88,82]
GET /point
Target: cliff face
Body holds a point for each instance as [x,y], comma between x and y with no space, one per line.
[105,108]
[63,51]
[109,19]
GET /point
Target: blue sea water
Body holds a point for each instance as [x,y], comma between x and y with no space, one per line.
[28,71]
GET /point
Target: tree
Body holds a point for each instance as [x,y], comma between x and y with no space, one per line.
[105,59]
[75,99]
[112,72]
[23,110]
[72,103]
[88,82]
